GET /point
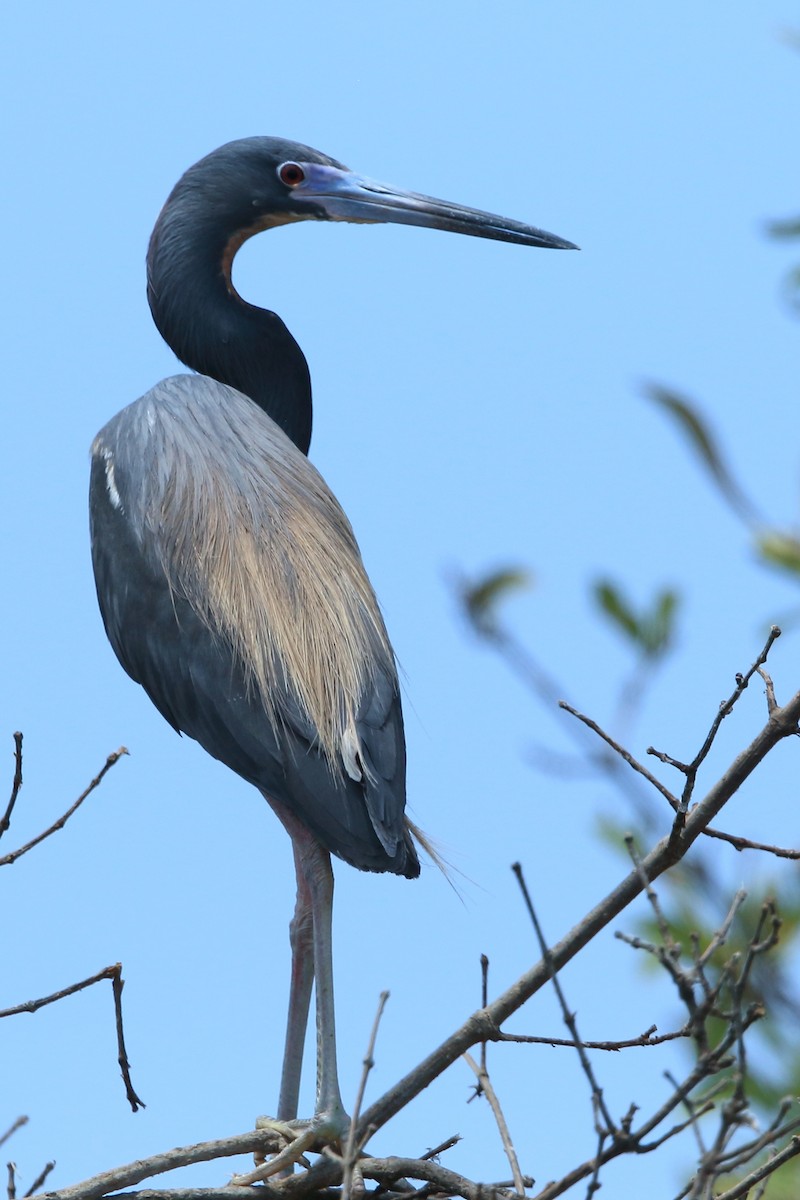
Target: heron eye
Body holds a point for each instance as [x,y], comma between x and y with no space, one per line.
[291,173]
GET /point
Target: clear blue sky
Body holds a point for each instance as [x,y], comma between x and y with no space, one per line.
[476,404]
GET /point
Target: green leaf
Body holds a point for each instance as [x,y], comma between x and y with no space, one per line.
[659,624]
[697,432]
[481,599]
[650,630]
[787,228]
[611,601]
[780,550]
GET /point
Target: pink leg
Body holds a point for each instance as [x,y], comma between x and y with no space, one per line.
[314,893]
[301,937]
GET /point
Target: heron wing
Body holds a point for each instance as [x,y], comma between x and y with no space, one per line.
[194,676]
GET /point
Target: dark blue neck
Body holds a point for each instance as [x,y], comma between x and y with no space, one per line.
[215,332]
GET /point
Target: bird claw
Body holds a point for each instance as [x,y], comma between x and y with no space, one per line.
[297,1137]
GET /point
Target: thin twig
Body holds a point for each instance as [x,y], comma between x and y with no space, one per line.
[40,1178]
[689,1105]
[32,1006]
[114,973]
[769,687]
[484,1000]
[624,754]
[735,1159]
[117,984]
[352,1147]
[15,785]
[720,935]
[487,1089]
[740,1189]
[594,1184]
[648,1038]
[7,859]
[440,1149]
[569,1017]
[12,1129]
[652,897]
[743,843]
[738,843]
[690,769]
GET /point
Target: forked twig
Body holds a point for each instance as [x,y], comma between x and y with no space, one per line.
[691,769]
[742,1188]
[742,680]
[114,973]
[12,857]
[484,1024]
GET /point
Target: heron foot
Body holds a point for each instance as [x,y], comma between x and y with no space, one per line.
[293,1140]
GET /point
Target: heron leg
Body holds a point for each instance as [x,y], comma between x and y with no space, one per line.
[301,937]
[314,891]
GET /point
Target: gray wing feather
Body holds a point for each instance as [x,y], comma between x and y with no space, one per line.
[193,675]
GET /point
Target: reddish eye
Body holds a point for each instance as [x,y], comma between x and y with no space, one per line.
[291,173]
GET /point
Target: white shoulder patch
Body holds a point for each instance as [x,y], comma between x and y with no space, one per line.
[351,753]
[111,486]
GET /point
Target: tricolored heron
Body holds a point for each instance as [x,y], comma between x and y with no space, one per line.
[229,580]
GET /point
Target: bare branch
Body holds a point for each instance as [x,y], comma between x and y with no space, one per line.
[690,770]
[648,1038]
[229,1192]
[781,723]
[12,1129]
[720,936]
[598,1102]
[485,1083]
[117,984]
[114,973]
[770,689]
[624,754]
[743,843]
[170,1160]
[741,1189]
[40,1178]
[7,859]
[15,785]
[352,1148]
[486,1023]
[738,843]
[440,1149]
[737,1158]
[388,1170]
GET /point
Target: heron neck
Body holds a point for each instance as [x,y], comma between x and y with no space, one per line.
[216,333]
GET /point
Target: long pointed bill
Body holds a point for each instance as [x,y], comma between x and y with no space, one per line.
[340,195]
